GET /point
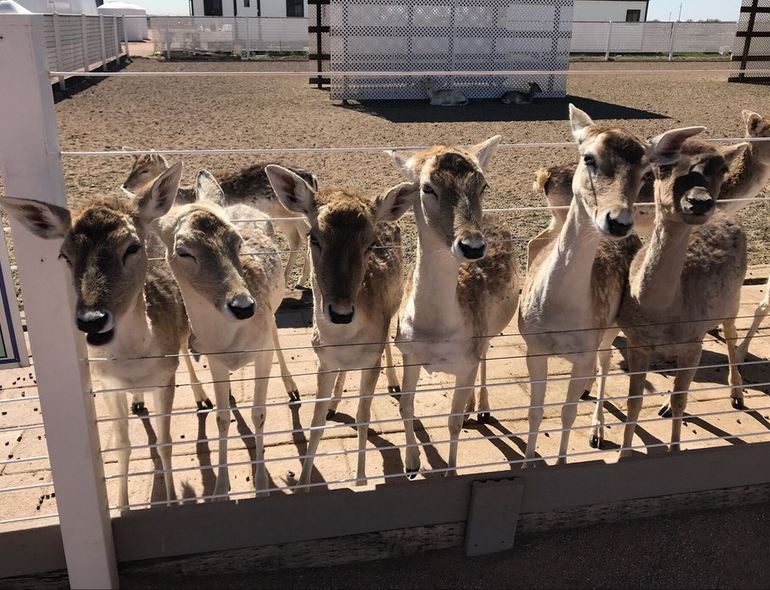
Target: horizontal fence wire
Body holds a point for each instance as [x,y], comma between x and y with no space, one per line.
[435,471]
[420,444]
[24,460]
[31,486]
[28,518]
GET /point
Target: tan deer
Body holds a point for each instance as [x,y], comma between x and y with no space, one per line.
[687,278]
[575,283]
[231,282]
[463,289]
[248,186]
[130,310]
[357,279]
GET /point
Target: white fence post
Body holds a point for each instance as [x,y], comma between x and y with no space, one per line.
[84,40]
[671,42]
[117,39]
[30,167]
[59,57]
[104,45]
[125,34]
[168,38]
[609,41]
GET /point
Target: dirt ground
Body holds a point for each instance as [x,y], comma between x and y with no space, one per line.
[272,112]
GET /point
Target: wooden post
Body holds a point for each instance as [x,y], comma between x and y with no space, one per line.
[749,37]
[30,167]
[103,43]
[57,41]
[84,41]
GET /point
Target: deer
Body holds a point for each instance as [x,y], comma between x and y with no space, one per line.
[575,283]
[443,97]
[522,97]
[131,311]
[247,186]
[463,289]
[357,277]
[688,276]
[231,282]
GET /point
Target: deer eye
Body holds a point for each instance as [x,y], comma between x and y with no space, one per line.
[590,161]
[313,240]
[427,189]
[182,253]
[132,249]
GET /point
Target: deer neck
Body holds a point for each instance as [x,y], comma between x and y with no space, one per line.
[657,282]
[133,332]
[433,300]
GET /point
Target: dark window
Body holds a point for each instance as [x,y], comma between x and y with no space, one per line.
[246,3]
[212,7]
[295,8]
[633,16]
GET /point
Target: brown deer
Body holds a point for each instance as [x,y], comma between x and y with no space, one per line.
[688,276]
[131,311]
[357,278]
[463,289]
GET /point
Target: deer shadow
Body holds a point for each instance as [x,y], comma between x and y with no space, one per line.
[300,442]
[392,463]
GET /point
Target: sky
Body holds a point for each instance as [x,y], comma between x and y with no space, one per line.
[659,9]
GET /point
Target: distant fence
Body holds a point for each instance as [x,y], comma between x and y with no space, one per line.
[751,52]
[228,34]
[652,37]
[81,42]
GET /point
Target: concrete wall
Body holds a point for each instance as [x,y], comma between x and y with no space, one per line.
[606,10]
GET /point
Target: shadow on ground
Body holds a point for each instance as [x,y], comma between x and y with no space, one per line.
[556,109]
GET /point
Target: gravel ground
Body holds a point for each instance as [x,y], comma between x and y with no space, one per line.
[238,112]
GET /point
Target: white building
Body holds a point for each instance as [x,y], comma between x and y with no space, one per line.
[60,6]
[296,8]
[611,10]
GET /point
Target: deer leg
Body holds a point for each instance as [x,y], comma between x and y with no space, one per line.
[484,416]
[537,367]
[638,364]
[759,315]
[164,401]
[464,389]
[339,387]
[582,367]
[390,370]
[734,377]
[221,377]
[262,366]
[368,384]
[323,399]
[288,380]
[202,401]
[118,408]
[406,409]
[605,357]
[293,252]
[689,361]
[306,260]
[137,403]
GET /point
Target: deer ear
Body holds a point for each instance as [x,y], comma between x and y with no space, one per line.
[404,162]
[159,159]
[292,191]
[207,189]
[484,151]
[398,200]
[579,121]
[732,153]
[156,201]
[753,123]
[42,219]
[665,148]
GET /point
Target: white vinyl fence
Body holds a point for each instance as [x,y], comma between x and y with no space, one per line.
[228,34]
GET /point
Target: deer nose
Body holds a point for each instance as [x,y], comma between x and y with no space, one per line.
[343,314]
[619,226]
[93,321]
[242,306]
[472,246]
[698,202]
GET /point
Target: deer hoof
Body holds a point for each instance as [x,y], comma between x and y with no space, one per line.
[595,442]
[137,408]
[484,417]
[394,389]
[737,403]
[411,474]
[665,411]
[204,406]
[586,395]
[330,414]
[294,396]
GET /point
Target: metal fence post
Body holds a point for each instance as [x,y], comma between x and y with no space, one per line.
[168,38]
[104,45]
[59,57]
[30,167]
[125,34]
[671,42]
[84,40]
[248,37]
[609,41]
[117,39]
